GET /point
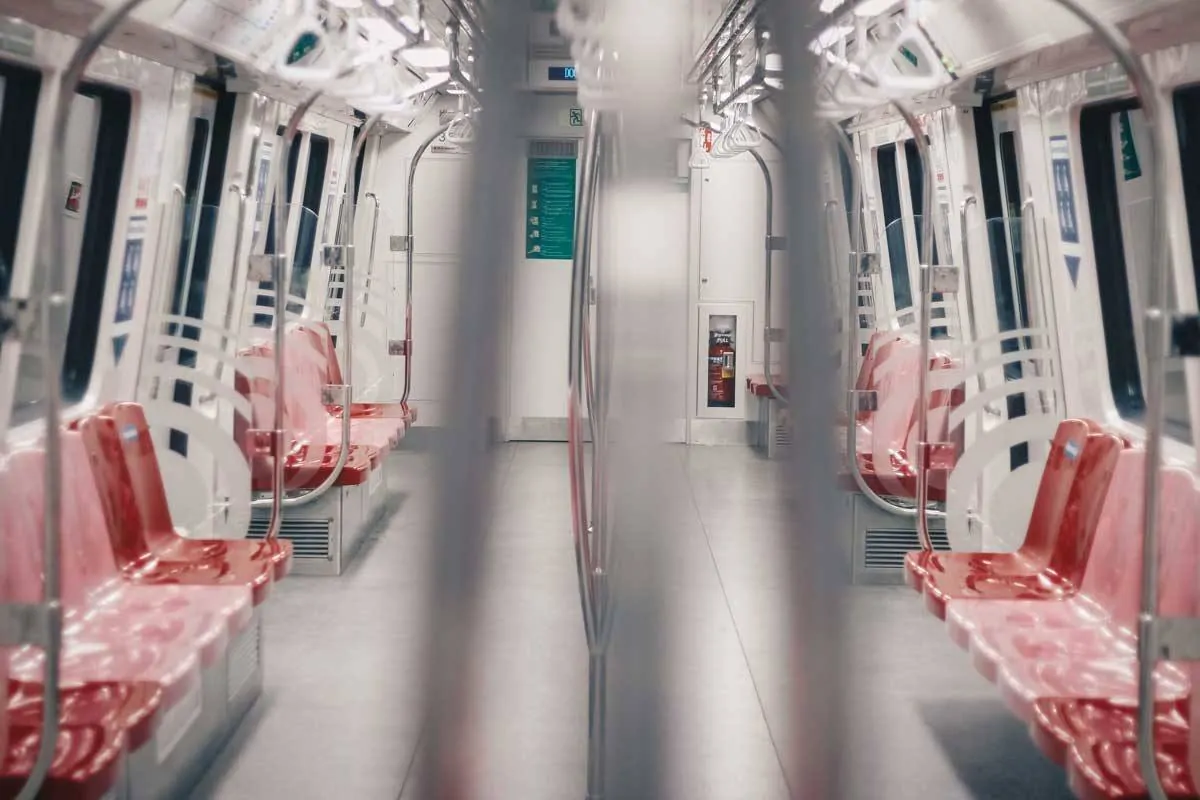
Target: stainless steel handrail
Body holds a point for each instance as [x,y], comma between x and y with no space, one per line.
[227,328]
[925,325]
[456,73]
[1155,107]
[281,276]
[756,80]
[374,198]
[589,570]
[972,325]
[769,245]
[1033,256]
[53,303]
[857,241]
[410,224]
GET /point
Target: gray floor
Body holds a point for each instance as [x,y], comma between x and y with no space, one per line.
[340,714]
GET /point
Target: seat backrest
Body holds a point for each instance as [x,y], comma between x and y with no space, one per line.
[141,462]
[88,564]
[1054,489]
[1177,531]
[880,348]
[1089,548]
[897,385]
[306,367]
[323,339]
[255,387]
[20,527]
[116,497]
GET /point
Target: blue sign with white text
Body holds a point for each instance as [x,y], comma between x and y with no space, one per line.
[1064,189]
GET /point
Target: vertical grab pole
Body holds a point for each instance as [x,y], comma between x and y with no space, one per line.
[1154,107]
[769,246]
[374,198]
[410,216]
[813,554]
[461,511]
[586,563]
[972,323]
[925,323]
[53,303]
[281,279]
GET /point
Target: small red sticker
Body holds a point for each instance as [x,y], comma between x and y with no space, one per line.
[75,197]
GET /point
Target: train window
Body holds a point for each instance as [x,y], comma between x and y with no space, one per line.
[1116,148]
[916,190]
[97,139]
[889,188]
[1187,120]
[1000,184]
[306,237]
[264,320]
[19,88]
[211,129]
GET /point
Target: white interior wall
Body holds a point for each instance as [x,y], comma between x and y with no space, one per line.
[732,261]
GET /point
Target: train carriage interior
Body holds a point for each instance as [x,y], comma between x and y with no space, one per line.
[730,399]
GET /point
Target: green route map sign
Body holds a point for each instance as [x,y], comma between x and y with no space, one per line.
[550,209]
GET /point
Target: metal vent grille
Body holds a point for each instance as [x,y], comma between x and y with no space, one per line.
[553,148]
[243,661]
[783,434]
[885,549]
[550,52]
[309,537]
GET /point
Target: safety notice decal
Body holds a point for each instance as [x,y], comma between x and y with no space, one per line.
[1064,189]
[131,265]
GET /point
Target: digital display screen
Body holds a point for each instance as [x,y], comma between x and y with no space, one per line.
[562,73]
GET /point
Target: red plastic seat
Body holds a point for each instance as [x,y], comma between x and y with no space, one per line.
[1061,576]
[115,636]
[151,496]
[98,724]
[99,721]
[234,571]
[323,338]
[1044,524]
[311,453]
[1086,648]
[886,438]
[758,386]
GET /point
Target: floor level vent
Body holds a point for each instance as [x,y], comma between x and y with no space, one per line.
[309,537]
[885,549]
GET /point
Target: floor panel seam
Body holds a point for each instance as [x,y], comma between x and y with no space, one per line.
[738,633]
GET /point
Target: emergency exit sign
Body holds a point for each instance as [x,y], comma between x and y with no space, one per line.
[576,117]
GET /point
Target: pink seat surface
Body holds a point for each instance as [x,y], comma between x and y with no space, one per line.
[309,370]
[1045,522]
[1085,647]
[154,511]
[977,624]
[1062,576]
[112,631]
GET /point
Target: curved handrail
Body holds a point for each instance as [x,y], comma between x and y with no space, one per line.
[858,240]
[53,301]
[575,377]
[768,288]
[374,198]
[281,279]
[1154,107]
[410,223]
[589,571]
[925,323]
[768,246]
[456,73]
